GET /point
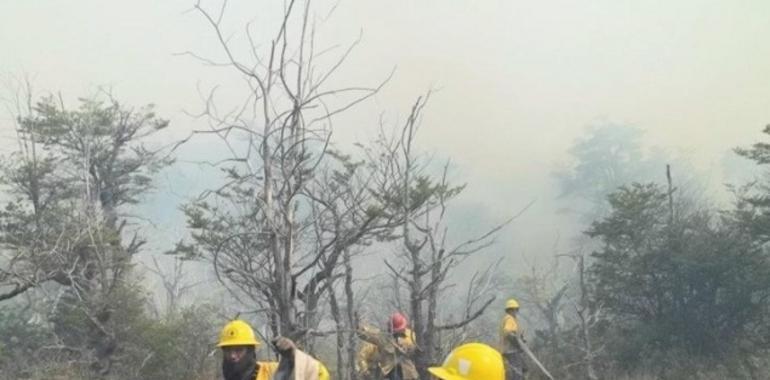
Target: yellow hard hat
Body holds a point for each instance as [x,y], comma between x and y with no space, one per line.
[511,304]
[472,361]
[237,333]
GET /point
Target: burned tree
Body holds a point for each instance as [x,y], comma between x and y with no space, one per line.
[276,231]
[426,256]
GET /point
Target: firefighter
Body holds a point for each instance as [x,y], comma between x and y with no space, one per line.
[239,358]
[510,338]
[366,362]
[471,361]
[388,356]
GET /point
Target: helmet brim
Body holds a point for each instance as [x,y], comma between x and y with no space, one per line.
[443,374]
[231,344]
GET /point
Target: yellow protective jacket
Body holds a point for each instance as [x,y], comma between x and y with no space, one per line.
[385,352]
[509,330]
[268,369]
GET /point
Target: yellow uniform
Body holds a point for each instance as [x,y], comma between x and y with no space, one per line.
[382,353]
[509,330]
[268,369]
[515,367]
[365,360]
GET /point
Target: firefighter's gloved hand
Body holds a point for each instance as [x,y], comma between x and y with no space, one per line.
[365,332]
[284,345]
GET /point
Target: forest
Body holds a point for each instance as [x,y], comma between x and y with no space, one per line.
[308,236]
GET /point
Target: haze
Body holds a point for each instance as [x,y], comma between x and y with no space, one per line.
[515,84]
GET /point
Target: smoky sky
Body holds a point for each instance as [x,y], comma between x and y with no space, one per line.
[514,83]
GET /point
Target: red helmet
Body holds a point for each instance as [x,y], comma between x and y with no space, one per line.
[397,323]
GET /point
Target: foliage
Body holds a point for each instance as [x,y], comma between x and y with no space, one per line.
[681,278]
[607,157]
[178,347]
[64,224]
[20,339]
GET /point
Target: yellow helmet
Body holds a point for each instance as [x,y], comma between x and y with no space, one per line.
[237,333]
[511,304]
[472,361]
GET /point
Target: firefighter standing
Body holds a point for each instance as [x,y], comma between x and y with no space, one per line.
[388,357]
[510,334]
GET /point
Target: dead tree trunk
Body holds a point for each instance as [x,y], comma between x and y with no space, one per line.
[292,217]
[352,319]
[339,333]
[421,202]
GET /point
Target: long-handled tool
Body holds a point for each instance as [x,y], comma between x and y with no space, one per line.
[529,353]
